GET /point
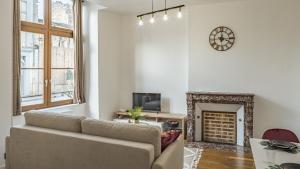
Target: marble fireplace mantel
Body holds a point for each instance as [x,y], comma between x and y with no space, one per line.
[245,99]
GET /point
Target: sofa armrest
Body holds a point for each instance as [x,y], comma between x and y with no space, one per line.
[172,157]
[6,153]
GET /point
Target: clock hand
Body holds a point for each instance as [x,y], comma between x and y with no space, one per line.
[228,39]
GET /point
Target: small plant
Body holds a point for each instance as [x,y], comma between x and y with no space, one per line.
[135,114]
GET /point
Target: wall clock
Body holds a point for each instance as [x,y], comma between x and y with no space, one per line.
[222,38]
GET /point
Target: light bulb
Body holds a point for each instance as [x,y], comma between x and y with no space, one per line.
[165,16]
[179,14]
[141,23]
[152,20]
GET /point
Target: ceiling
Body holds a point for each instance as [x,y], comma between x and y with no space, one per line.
[141,6]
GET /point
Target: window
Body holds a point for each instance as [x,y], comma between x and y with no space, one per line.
[47,53]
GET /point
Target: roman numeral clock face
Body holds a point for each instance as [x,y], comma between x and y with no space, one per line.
[222,38]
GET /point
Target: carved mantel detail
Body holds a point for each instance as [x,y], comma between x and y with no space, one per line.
[245,99]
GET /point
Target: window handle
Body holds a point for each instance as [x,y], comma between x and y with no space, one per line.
[46,83]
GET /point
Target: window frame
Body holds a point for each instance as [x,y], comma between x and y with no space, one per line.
[48,31]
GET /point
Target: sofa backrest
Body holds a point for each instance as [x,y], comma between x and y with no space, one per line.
[54,121]
[40,148]
[123,131]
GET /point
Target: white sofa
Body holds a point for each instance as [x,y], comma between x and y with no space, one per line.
[56,141]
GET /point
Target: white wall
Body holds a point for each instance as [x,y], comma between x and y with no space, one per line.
[168,57]
[264,61]
[6,9]
[109,63]
[102,57]
[154,58]
[91,53]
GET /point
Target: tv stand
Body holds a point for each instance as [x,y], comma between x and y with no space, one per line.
[158,117]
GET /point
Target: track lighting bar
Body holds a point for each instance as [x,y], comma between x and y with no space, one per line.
[162,10]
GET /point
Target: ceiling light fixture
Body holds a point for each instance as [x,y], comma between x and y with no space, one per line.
[166,16]
[141,23]
[165,10]
[179,14]
[152,20]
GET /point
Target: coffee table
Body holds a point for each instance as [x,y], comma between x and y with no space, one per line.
[143,122]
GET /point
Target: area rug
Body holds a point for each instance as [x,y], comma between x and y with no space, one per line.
[191,157]
[220,147]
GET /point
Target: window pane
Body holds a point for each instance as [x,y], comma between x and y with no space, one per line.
[32,11]
[32,68]
[62,61]
[32,87]
[62,87]
[62,13]
[32,50]
[62,52]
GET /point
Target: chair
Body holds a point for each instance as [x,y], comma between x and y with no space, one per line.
[280,134]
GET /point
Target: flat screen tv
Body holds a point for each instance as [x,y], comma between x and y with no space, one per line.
[147,101]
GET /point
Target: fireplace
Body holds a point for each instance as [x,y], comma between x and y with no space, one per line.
[241,118]
[219,127]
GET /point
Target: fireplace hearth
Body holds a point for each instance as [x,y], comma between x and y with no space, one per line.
[218,134]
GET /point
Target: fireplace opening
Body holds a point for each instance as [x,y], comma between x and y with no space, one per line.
[219,127]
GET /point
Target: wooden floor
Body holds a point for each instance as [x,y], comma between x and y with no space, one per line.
[215,159]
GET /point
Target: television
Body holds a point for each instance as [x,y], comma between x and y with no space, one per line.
[147,101]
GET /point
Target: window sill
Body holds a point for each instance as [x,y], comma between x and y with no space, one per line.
[72,109]
[69,109]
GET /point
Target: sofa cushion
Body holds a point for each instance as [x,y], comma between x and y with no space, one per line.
[129,132]
[54,121]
